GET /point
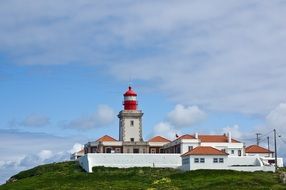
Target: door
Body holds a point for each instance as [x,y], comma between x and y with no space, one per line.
[136,150]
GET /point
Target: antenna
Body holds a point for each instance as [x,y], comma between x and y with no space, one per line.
[130,81]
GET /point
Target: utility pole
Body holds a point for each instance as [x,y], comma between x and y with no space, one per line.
[257,138]
[268,146]
[275,147]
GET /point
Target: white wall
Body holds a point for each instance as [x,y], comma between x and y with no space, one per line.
[83,162]
[259,154]
[132,131]
[244,161]
[249,163]
[185,146]
[130,160]
[208,163]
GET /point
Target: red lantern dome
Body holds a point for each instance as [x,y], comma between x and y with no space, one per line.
[130,99]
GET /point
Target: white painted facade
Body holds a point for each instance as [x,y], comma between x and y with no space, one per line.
[130,160]
[231,148]
[241,163]
[130,126]
[259,154]
[131,131]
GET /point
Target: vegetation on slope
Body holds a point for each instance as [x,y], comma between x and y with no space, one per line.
[69,175]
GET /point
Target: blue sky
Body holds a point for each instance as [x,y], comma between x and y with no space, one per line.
[197,66]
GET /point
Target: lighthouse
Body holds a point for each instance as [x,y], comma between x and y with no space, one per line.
[130,118]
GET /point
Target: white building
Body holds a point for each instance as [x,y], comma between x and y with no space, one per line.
[77,155]
[188,152]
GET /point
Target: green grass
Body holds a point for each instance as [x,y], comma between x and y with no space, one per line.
[69,175]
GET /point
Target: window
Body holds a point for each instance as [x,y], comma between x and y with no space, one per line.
[117,150]
[220,160]
[108,150]
[153,150]
[132,139]
[202,160]
[196,160]
[191,148]
[232,151]
[215,160]
[239,152]
[131,123]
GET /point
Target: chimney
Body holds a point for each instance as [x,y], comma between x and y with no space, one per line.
[229,137]
[196,135]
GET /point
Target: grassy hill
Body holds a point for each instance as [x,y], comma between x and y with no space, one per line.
[69,175]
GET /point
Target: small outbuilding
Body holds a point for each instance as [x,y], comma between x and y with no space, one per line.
[204,157]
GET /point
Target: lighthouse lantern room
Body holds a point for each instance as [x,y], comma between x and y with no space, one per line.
[130,118]
[130,99]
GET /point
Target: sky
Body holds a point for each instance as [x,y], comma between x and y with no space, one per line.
[206,66]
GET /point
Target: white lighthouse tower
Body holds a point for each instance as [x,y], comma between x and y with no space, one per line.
[130,119]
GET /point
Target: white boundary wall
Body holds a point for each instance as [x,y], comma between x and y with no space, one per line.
[130,160]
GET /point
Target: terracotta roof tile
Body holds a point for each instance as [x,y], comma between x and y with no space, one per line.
[216,138]
[204,150]
[105,138]
[256,149]
[187,136]
[159,139]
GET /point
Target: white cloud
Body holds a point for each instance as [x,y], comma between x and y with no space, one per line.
[165,129]
[235,131]
[45,154]
[103,116]
[274,120]
[23,150]
[185,116]
[277,118]
[35,120]
[76,147]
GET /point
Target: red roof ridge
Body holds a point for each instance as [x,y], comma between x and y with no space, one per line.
[159,139]
[205,150]
[216,138]
[105,138]
[186,136]
[257,149]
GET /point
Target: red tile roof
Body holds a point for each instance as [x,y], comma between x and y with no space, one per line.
[105,138]
[205,150]
[216,138]
[159,139]
[187,136]
[256,149]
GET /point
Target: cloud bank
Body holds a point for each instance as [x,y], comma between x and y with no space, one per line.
[222,55]
[177,119]
[184,116]
[35,120]
[103,116]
